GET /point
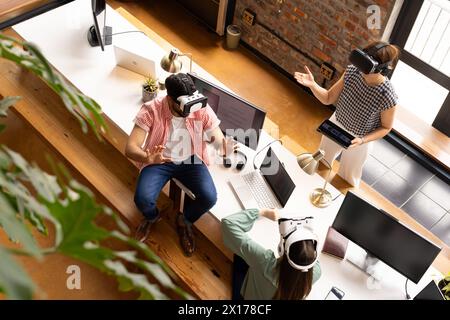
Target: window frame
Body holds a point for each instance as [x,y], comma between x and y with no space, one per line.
[399,35]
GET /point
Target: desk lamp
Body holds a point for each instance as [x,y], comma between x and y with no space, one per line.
[171,62]
[309,163]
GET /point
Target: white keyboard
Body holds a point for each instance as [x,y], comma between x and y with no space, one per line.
[260,191]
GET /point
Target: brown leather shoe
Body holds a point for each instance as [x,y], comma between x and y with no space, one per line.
[186,236]
[143,230]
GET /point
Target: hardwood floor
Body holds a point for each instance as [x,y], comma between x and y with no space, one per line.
[13,8]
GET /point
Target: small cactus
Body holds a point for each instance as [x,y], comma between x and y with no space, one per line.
[151,85]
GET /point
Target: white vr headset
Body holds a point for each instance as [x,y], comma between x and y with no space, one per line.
[192,103]
[293,230]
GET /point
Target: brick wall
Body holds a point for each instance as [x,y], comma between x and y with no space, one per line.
[292,33]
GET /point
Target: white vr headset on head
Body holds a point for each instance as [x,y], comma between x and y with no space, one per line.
[192,103]
[293,230]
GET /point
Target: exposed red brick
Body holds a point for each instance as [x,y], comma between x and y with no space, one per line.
[382,3]
[299,12]
[326,30]
[364,35]
[339,19]
[321,55]
[350,26]
[354,18]
[290,16]
[328,41]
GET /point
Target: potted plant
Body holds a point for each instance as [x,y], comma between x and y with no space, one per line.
[149,89]
[444,285]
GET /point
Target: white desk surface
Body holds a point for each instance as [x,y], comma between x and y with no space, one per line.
[61,35]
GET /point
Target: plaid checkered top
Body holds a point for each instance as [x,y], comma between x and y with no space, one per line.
[359,106]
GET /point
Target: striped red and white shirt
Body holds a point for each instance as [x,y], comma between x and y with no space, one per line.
[155,118]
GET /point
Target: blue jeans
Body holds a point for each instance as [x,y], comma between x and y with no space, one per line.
[193,174]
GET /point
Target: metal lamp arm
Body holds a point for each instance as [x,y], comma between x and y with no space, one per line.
[189,55]
[328,174]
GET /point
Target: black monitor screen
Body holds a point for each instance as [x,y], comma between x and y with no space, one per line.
[385,237]
[236,115]
[98,6]
[277,177]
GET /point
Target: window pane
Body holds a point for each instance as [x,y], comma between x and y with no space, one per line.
[417,93]
[429,39]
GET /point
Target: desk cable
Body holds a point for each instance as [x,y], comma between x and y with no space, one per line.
[127,32]
[104,23]
[408,297]
[336,197]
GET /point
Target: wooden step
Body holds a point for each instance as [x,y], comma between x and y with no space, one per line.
[114,177]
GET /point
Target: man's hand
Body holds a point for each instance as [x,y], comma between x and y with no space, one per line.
[229,145]
[271,214]
[155,156]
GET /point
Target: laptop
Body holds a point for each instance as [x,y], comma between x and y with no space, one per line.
[134,62]
[269,187]
[430,292]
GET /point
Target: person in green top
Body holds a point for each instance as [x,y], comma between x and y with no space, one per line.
[268,277]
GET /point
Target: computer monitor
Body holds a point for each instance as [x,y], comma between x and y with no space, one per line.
[99,34]
[385,238]
[239,118]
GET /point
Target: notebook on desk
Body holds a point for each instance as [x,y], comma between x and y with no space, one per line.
[335,244]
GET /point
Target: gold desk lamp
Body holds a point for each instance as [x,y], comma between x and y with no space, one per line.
[171,62]
[309,162]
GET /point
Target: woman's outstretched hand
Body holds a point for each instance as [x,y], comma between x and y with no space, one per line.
[271,214]
[305,79]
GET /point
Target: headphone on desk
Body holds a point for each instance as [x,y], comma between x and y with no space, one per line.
[227,163]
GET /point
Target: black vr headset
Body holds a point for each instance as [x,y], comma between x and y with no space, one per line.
[366,62]
[191,102]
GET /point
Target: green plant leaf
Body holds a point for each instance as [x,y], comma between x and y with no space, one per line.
[83,108]
[6,103]
[14,282]
[136,281]
[72,209]
[83,241]
[16,230]
[14,171]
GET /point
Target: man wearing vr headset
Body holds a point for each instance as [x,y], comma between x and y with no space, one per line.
[257,272]
[365,105]
[168,141]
